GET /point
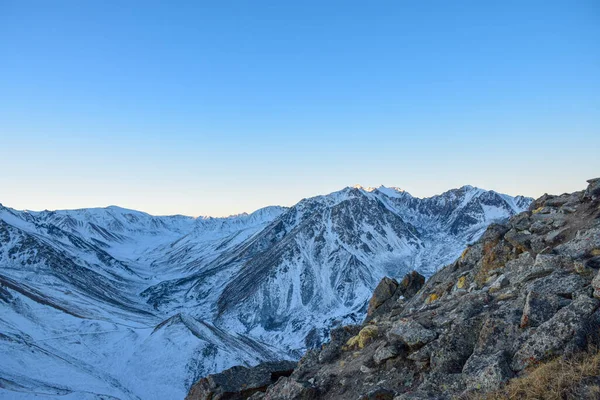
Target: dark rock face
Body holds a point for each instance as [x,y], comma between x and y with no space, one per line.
[391,295]
[384,290]
[593,190]
[519,296]
[240,382]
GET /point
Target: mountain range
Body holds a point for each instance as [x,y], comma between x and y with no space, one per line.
[118,303]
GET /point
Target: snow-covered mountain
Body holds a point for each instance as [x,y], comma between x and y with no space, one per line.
[120,303]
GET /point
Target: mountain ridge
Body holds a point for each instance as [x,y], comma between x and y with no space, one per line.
[516,315]
[278,278]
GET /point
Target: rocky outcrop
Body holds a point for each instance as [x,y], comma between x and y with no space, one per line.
[526,292]
[240,382]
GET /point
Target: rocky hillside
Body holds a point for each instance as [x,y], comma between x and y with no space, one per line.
[527,292]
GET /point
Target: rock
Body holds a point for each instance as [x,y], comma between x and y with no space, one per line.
[538,309]
[378,394]
[487,372]
[411,333]
[539,203]
[498,333]
[365,370]
[339,337]
[240,382]
[382,302]
[567,209]
[593,263]
[519,240]
[521,222]
[290,389]
[593,189]
[557,201]
[384,353]
[411,284]
[422,355]
[455,346]
[554,335]
[541,227]
[596,285]
[556,236]
[500,283]
[384,290]
[558,284]
[553,261]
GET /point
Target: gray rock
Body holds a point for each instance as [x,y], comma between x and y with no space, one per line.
[455,346]
[487,372]
[521,222]
[553,261]
[290,389]
[384,353]
[384,291]
[519,240]
[551,337]
[556,236]
[498,332]
[365,370]
[411,333]
[421,355]
[558,283]
[557,201]
[378,394]
[500,283]
[568,209]
[538,309]
[541,227]
[596,285]
[593,189]
[240,381]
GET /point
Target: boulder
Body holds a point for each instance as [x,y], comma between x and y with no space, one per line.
[411,333]
[519,240]
[384,353]
[240,382]
[593,189]
[500,283]
[411,284]
[290,389]
[553,336]
[538,309]
[384,291]
[487,372]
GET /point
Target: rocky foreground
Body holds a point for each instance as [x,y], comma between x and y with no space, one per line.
[525,293]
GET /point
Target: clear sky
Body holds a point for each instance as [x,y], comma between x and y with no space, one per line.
[214,108]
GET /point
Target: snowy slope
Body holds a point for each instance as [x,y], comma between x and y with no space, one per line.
[120,303]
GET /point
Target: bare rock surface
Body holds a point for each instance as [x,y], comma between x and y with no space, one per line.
[240,382]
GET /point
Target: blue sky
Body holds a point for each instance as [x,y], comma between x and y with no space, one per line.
[214,108]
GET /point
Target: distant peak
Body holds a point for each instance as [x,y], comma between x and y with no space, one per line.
[392,191]
[366,189]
